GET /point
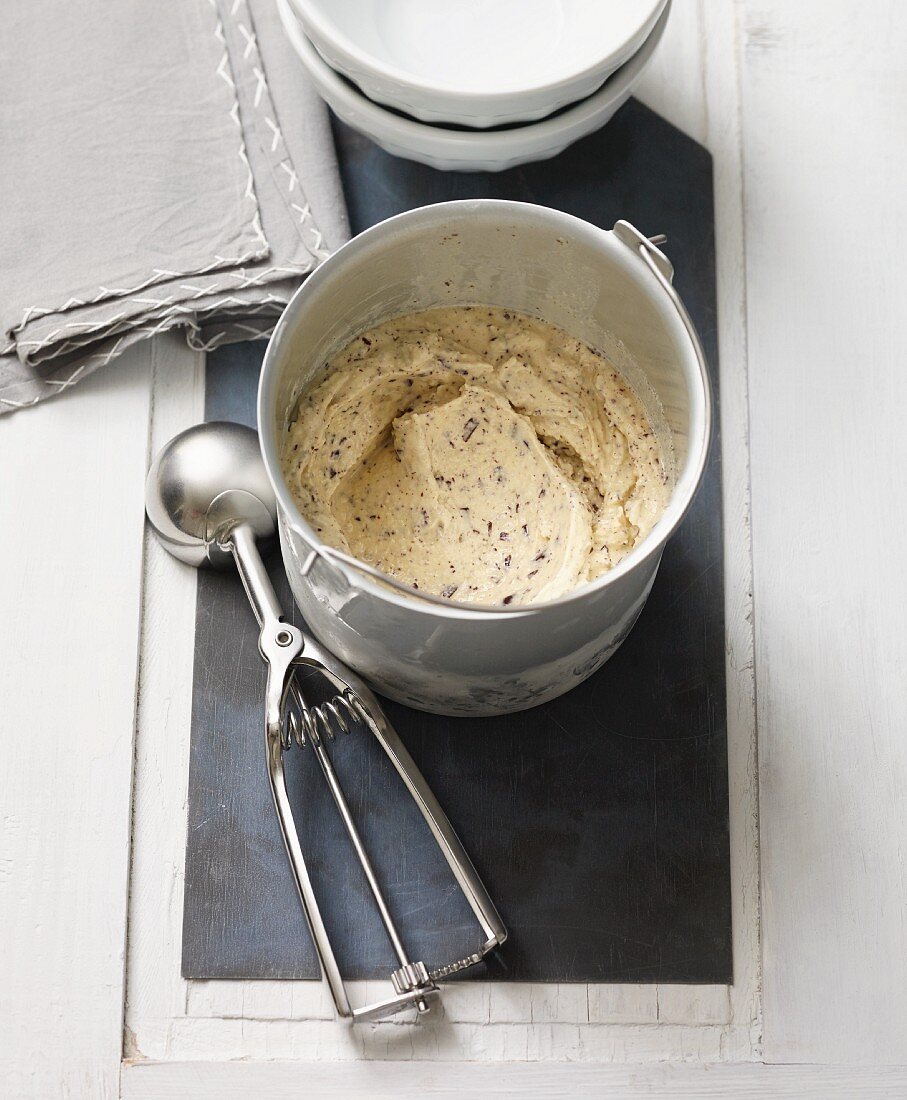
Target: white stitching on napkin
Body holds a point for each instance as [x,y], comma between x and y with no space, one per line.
[277,137]
[251,41]
[305,215]
[223,71]
[254,332]
[174,311]
[315,242]
[291,172]
[244,280]
[100,358]
[261,85]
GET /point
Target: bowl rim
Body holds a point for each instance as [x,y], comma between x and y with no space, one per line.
[688,479]
[437,139]
[311,15]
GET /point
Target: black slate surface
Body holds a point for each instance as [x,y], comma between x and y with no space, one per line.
[598,821]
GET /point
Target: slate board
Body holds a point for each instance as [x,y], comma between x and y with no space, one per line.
[598,821]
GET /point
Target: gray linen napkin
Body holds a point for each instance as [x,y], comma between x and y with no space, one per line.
[164,165]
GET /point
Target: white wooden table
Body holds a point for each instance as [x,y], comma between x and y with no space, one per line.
[803,106]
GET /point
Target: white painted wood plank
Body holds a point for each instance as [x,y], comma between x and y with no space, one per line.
[824,96]
[155,988]
[694,1004]
[312,1001]
[393,1081]
[623,1004]
[215,999]
[70,562]
[693,82]
[268,1000]
[464,1002]
[186,1039]
[719,36]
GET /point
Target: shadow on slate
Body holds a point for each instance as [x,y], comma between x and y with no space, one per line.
[598,821]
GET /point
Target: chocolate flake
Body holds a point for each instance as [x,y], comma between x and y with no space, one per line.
[469,427]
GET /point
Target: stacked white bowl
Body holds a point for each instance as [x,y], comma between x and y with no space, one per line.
[474,84]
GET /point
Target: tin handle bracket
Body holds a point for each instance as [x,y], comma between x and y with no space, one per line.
[648,249]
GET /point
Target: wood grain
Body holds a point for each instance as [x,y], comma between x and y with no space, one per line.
[824,95]
[71,514]
[205,1081]
[154,989]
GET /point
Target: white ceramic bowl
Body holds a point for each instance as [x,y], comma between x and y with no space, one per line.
[477,63]
[469,150]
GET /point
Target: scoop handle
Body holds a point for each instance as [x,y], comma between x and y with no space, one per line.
[280,644]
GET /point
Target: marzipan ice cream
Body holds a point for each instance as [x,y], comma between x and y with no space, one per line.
[478,454]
